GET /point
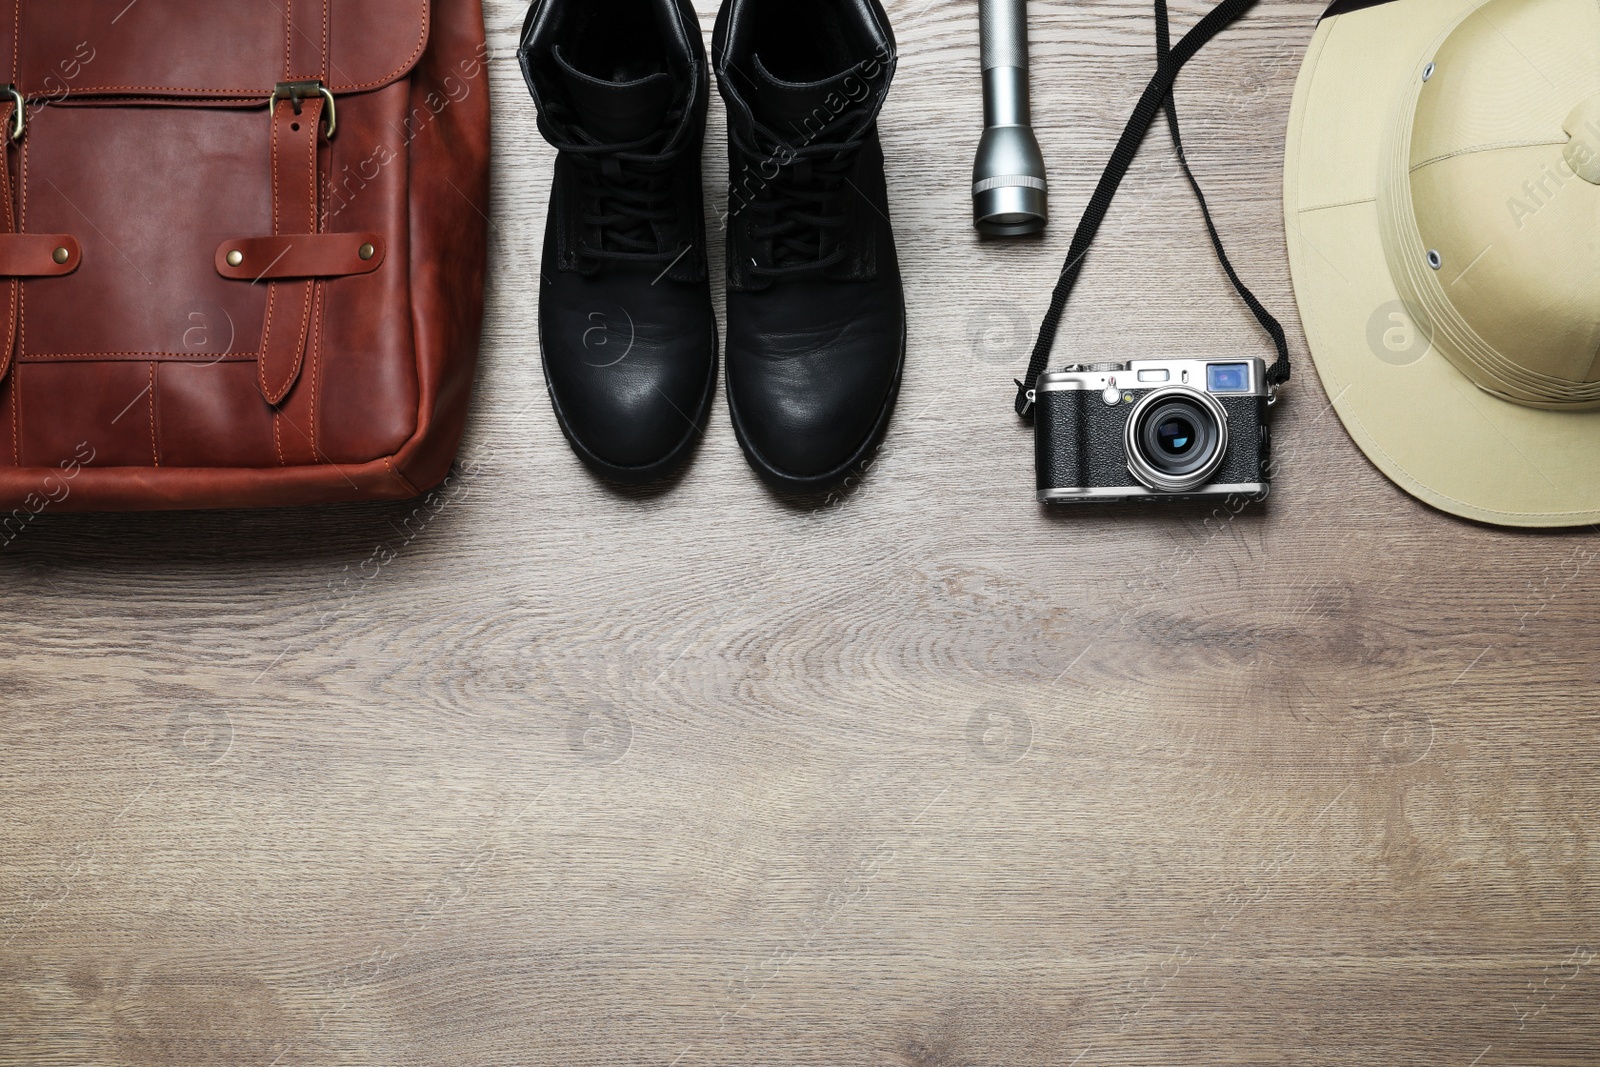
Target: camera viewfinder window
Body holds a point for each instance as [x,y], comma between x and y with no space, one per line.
[1228,377]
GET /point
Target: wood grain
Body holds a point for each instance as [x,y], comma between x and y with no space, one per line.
[538,772]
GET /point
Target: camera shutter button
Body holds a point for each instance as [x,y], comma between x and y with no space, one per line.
[1112,396]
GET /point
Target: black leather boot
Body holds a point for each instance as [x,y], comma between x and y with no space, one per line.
[816,315]
[625,320]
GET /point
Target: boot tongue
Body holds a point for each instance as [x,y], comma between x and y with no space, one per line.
[616,112]
[801,110]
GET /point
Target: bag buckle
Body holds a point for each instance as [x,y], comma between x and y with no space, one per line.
[19,125]
[296,93]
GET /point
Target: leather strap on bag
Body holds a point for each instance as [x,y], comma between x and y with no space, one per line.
[306,52]
[297,122]
[23,255]
[11,290]
[317,255]
[1156,94]
[294,212]
[37,255]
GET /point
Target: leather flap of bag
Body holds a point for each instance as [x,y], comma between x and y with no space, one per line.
[222,49]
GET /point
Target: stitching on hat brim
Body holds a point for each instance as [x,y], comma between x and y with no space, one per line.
[1476,149]
[1341,203]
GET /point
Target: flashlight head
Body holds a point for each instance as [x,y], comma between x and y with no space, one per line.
[1010,194]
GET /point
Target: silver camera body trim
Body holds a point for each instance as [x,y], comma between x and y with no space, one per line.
[1127,375]
[1253,490]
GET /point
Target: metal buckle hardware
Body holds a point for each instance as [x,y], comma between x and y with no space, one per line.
[296,92]
[19,125]
[1030,400]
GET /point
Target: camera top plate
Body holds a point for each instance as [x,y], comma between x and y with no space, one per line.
[1143,374]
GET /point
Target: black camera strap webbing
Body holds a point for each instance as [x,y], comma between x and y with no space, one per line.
[1278,373]
[1156,94]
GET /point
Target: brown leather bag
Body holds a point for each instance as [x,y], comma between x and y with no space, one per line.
[242,249]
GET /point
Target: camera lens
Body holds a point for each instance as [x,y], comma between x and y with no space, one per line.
[1176,439]
[1176,436]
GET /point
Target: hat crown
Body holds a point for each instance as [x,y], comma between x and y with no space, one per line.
[1500,173]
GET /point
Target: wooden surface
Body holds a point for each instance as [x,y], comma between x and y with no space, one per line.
[540,773]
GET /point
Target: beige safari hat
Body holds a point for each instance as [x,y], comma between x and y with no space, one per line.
[1442,199]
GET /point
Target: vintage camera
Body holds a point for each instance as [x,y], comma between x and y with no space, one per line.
[1159,429]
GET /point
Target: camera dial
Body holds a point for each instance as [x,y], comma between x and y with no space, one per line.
[1176,439]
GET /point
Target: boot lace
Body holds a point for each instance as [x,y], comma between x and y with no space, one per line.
[805,205]
[627,189]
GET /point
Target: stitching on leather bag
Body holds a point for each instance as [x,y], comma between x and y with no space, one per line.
[313,170]
[277,436]
[159,357]
[401,478]
[274,146]
[266,337]
[16,416]
[422,43]
[272,287]
[315,370]
[16,324]
[266,334]
[17,337]
[15,340]
[21,224]
[164,92]
[6,118]
[305,329]
[155,452]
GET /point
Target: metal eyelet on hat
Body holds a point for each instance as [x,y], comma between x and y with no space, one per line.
[1427,72]
[1435,260]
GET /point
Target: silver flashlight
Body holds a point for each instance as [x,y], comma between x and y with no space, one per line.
[1010,193]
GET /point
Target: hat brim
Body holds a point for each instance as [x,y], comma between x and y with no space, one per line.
[1416,417]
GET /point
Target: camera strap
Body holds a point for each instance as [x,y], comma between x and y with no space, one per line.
[1158,93]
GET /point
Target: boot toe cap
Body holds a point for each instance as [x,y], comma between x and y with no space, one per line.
[630,378]
[811,393]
